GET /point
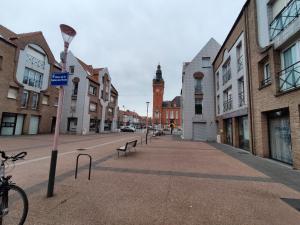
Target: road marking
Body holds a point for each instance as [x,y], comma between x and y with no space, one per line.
[72,152]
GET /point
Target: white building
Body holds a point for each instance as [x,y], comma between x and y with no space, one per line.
[232,92]
[197,108]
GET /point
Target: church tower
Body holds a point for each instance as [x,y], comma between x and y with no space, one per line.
[158,85]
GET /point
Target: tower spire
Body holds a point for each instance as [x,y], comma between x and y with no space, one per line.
[158,73]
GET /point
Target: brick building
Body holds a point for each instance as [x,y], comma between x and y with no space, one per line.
[274,53]
[27,101]
[271,50]
[164,112]
[231,82]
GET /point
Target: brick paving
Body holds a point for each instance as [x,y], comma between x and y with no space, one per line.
[167,182]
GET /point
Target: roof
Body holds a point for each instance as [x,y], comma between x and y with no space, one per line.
[232,29]
[176,102]
[114,89]
[92,74]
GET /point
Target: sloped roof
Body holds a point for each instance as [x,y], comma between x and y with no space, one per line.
[91,73]
[176,102]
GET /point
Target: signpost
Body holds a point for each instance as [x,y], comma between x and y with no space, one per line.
[59,79]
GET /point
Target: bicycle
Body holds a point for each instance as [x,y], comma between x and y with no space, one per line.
[14,201]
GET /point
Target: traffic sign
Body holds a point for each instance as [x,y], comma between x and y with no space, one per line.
[59,79]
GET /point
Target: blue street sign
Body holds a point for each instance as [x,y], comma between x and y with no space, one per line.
[59,79]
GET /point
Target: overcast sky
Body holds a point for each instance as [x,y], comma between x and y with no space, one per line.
[130,37]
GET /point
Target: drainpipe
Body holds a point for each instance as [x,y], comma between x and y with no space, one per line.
[250,88]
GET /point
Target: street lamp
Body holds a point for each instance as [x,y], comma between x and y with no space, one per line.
[147,103]
[68,33]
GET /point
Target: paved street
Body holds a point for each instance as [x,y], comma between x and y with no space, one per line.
[167,182]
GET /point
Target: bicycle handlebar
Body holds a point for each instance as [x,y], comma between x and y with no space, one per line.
[20,155]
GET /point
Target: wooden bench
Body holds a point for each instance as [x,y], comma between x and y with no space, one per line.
[129,145]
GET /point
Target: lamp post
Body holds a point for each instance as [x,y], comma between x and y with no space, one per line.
[147,103]
[68,33]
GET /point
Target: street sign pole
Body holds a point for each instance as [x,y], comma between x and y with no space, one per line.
[54,152]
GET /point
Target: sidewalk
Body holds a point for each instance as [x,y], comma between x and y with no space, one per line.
[168,182]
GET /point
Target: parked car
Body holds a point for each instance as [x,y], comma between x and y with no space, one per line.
[128,129]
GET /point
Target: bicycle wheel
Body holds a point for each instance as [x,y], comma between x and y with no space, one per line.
[14,206]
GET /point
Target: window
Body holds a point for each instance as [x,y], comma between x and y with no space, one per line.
[93,107]
[1,62]
[93,124]
[218,81]
[289,77]
[218,104]
[171,115]
[34,100]
[267,75]
[198,106]
[75,88]
[112,99]
[72,69]
[226,72]
[198,86]
[45,100]
[33,78]
[239,56]
[227,100]
[206,62]
[92,90]
[24,99]
[12,93]
[167,115]
[176,116]
[73,105]
[241,92]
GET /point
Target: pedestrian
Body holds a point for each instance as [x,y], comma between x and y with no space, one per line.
[172,128]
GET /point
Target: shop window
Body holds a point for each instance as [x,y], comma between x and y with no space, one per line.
[12,93]
[24,99]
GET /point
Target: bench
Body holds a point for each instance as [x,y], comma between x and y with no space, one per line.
[129,145]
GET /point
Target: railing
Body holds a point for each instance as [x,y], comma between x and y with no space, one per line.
[265,82]
[226,76]
[242,101]
[282,21]
[34,61]
[289,78]
[227,105]
[240,63]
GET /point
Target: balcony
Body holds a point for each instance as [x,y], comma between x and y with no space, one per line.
[242,101]
[285,18]
[227,105]
[289,78]
[226,76]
